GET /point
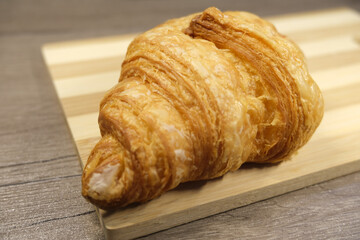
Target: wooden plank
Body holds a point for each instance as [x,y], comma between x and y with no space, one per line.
[82,104]
[87,67]
[74,86]
[329,46]
[310,35]
[334,59]
[337,77]
[79,51]
[84,126]
[315,21]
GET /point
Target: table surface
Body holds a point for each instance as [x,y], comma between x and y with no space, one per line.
[39,171]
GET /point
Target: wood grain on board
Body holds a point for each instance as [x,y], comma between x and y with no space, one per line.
[83,71]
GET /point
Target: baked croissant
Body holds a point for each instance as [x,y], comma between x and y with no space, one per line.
[197,97]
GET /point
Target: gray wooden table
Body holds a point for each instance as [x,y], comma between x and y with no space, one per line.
[39,171]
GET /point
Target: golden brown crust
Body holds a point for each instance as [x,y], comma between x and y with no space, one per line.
[197,97]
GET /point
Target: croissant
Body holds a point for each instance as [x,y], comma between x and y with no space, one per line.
[197,97]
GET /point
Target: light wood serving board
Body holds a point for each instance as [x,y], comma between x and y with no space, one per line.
[83,70]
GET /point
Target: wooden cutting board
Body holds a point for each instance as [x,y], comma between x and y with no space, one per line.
[83,70]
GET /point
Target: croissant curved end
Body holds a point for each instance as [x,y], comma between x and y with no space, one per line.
[101,182]
[103,176]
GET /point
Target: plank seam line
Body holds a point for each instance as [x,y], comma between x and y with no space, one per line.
[40,180]
[54,219]
[60,218]
[40,161]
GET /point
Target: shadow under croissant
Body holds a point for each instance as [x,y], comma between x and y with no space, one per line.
[196,185]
